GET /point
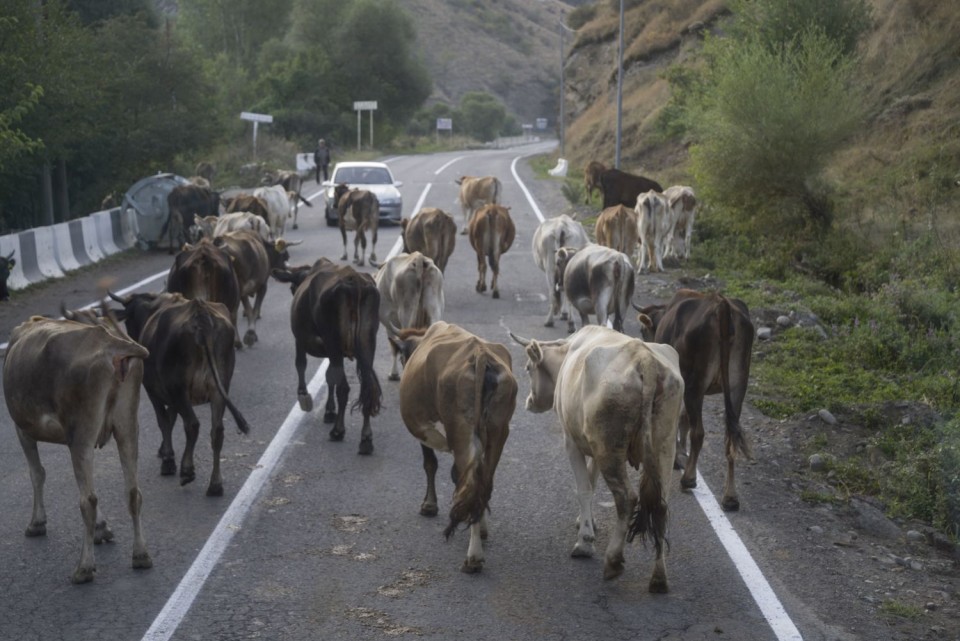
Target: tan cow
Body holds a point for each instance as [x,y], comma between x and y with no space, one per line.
[491,234]
[466,385]
[653,224]
[78,385]
[682,203]
[714,337]
[591,178]
[411,295]
[433,233]
[551,235]
[618,400]
[616,228]
[475,192]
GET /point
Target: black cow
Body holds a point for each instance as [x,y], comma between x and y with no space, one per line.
[621,188]
[191,363]
[335,315]
[6,264]
[206,272]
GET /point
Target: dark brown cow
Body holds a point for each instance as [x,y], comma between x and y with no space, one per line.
[466,384]
[335,315]
[78,385]
[591,178]
[359,210]
[491,234]
[713,336]
[621,188]
[191,363]
[205,271]
[6,264]
[433,233]
[184,202]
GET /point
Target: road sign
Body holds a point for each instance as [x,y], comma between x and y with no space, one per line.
[365,105]
[541,123]
[248,115]
[445,123]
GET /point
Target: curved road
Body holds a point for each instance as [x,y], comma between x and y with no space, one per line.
[312,541]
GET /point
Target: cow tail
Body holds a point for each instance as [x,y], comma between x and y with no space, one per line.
[735,438]
[473,491]
[203,335]
[421,319]
[497,188]
[617,284]
[365,348]
[650,515]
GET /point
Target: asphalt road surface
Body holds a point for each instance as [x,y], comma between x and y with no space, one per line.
[313,541]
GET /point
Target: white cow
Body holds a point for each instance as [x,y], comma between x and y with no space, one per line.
[682,204]
[596,280]
[618,400]
[279,203]
[411,296]
[551,235]
[216,226]
[653,221]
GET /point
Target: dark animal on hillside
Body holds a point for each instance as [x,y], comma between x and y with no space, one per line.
[621,188]
[591,178]
[6,264]
[335,315]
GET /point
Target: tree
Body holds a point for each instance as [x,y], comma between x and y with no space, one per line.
[483,115]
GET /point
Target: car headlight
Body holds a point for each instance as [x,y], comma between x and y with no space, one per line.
[389,201]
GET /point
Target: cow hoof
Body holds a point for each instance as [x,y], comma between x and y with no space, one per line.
[215,490]
[168,467]
[295,226]
[612,570]
[571,328]
[658,586]
[306,402]
[582,550]
[564,316]
[366,447]
[687,484]
[142,561]
[428,509]
[496,293]
[393,377]
[549,323]
[36,529]
[250,338]
[329,417]
[82,575]
[336,435]
[471,566]
[187,477]
[730,504]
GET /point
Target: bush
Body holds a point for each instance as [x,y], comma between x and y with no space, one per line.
[769,122]
[777,23]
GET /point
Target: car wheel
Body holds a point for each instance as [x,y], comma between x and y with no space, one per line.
[331,221]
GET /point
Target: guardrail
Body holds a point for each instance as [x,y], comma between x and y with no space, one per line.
[42,253]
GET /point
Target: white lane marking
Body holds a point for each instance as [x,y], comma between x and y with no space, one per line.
[759,588]
[437,172]
[182,598]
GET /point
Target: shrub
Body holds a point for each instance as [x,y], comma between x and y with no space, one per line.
[776,23]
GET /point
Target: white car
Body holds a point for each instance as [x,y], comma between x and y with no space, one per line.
[375,177]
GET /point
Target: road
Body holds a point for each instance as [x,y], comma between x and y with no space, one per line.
[312,541]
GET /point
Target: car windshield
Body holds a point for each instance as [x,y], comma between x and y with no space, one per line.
[363,176]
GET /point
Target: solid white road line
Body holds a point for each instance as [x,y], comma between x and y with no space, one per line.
[444,166]
[180,601]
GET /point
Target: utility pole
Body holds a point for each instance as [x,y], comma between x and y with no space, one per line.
[619,89]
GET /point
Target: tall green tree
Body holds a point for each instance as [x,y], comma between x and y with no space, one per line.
[238,28]
[483,115]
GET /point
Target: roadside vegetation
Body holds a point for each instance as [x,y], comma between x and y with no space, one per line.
[823,198]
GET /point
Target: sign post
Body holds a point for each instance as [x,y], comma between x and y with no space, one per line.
[446,124]
[365,105]
[256,119]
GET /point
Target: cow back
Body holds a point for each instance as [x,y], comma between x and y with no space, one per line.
[492,230]
[204,271]
[432,232]
[622,188]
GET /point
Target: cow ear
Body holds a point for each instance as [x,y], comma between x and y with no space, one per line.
[645,320]
[535,352]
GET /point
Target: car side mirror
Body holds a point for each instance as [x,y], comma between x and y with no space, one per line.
[398,183]
[326,183]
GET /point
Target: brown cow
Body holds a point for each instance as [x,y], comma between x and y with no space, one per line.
[466,384]
[251,264]
[616,228]
[250,203]
[621,188]
[183,203]
[475,192]
[491,234]
[359,210]
[713,335]
[591,178]
[432,232]
[335,315]
[191,363]
[205,271]
[77,384]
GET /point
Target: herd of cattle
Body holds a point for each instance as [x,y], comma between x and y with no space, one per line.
[620,400]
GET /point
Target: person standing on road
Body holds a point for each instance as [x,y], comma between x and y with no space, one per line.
[321,158]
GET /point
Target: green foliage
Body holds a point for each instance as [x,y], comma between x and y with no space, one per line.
[894,608]
[770,121]
[777,23]
[573,190]
[483,115]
